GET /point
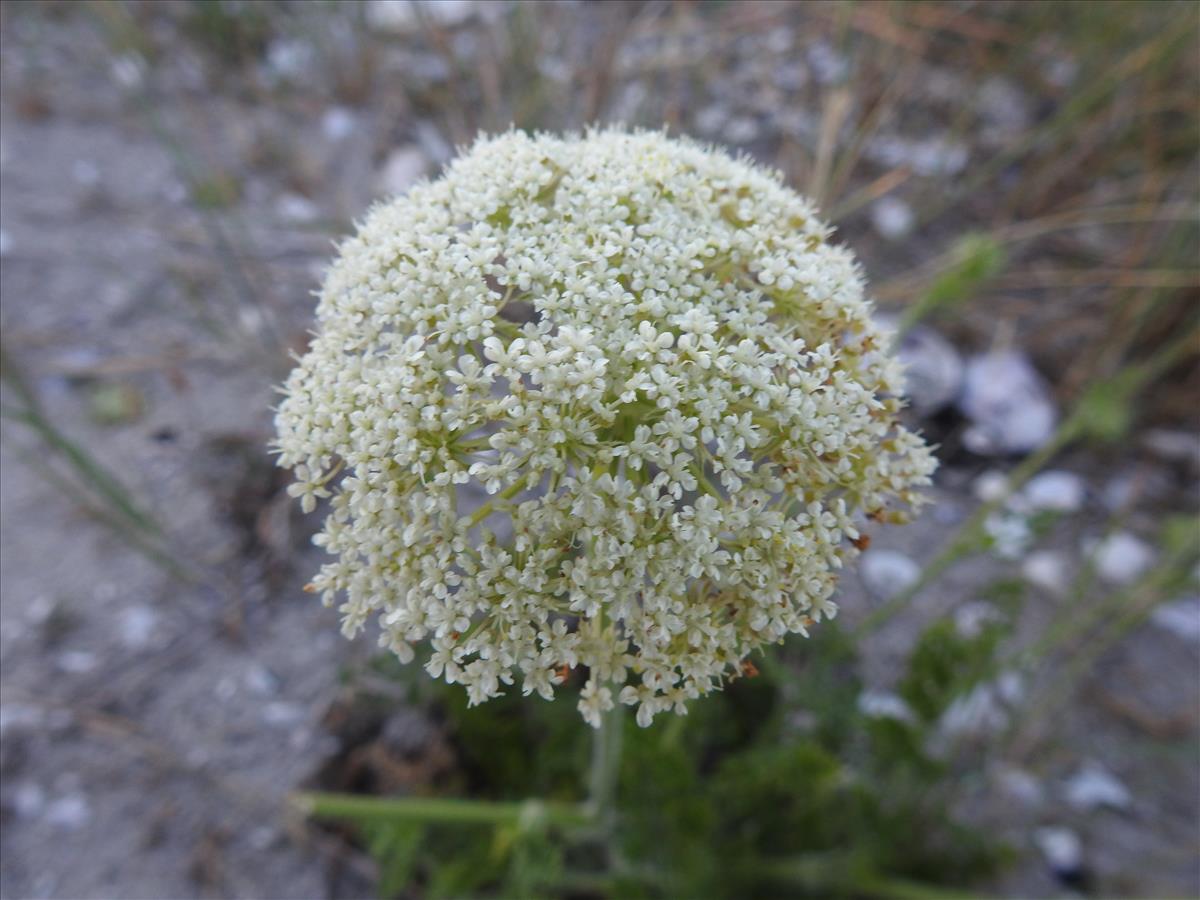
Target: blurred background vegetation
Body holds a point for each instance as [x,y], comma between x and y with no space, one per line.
[1008,704]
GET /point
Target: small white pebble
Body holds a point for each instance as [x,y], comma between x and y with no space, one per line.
[77,662]
[70,812]
[226,689]
[828,65]
[337,123]
[971,618]
[973,715]
[294,208]
[281,713]
[262,680]
[991,486]
[29,800]
[1121,558]
[16,717]
[1047,570]
[1093,786]
[1010,687]
[128,70]
[741,130]
[711,119]
[888,572]
[401,170]
[1055,490]
[1061,847]
[884,705]
[1010,534]
[933,370]
[85,172]
[1020,785]
[1181,618]
[137,625]
[1009,405]
[892,218]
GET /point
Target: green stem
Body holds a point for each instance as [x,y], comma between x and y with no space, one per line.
[444,810]
[488,508]
[605,767]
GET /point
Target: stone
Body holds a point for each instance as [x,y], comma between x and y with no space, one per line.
[972,618]
[136,626]
[295,208]
[886,573]
[337,123]
[402,169]
[741,130]
[86,173]
[261,680]
[933,370]
[1093,787]
[1047,570]
[991,486]
[1055,490]
[983,711]
[20,718]
[1010,534]
[884,705]
[289,59]
[431,141]
[69,813]
[1021,786]
[1007,403]
[282,713]
[77,662]
[401,16]
[1062,850]
[975,714]
[929,157]
[1122,558]
[827,64]
[28,800]
[1174,446]
[1181,618]
[892,218]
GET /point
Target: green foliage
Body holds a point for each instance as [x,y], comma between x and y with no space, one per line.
[220,191]
[975,259]
[1106,409]
[778,785]
[233,30]
[394,845]
[944,665]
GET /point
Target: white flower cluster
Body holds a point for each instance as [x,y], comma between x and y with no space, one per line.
[667,380]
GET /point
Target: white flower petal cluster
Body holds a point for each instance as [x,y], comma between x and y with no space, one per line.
[666,378]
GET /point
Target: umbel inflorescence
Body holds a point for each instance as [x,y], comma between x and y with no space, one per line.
[608,401]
